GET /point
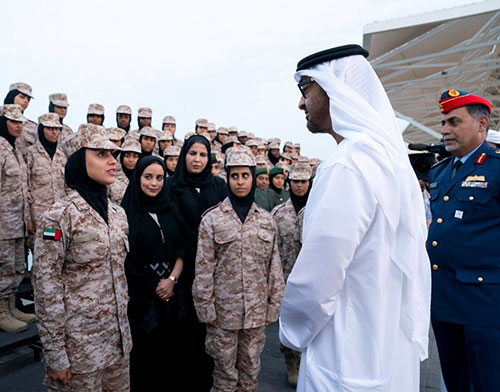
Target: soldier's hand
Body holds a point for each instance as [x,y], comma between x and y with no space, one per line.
[63,376]
[213,323]
[31,228]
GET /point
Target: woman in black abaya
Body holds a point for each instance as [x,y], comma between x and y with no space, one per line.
[194,190]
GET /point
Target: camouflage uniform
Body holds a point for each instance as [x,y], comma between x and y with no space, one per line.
[28,137]
[45,181]
[81,291]
[238,282]
[13,217]
[117,189]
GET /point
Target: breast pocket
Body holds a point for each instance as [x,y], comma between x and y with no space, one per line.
[86,247]
[264,244]
[475,204]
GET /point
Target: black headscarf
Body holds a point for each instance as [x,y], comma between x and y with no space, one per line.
[76,177]
[242,204]
[272,158]
[101,115]
[135,202]
[52,110]
[128,172]
[299,202]
[226,146]
[49,146]
[9,98]
[143,153]
[4,132]
[181,174]
[271,185]
[127,128]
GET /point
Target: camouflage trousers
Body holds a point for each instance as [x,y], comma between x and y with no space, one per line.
[236,355]
[292,358]
[113,378]
[11,266]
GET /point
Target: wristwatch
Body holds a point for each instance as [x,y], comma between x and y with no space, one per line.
[173,279]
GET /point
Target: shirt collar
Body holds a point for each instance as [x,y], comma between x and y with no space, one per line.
[466,156]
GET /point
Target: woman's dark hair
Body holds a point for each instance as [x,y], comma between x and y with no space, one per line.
[9,99]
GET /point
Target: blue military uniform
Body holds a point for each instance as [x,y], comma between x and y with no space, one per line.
[463,246]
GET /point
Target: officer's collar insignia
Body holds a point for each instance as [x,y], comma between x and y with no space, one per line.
[475,178]
[433,185]
[480,159]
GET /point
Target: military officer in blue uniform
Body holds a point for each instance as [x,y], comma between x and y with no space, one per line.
[463,247]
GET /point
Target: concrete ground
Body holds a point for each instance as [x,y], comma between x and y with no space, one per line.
[20,373]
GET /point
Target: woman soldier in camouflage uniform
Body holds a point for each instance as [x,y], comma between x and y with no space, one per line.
[238,282]
[45,163]
[129,156]
[289,218]
[14,219]
[78,275]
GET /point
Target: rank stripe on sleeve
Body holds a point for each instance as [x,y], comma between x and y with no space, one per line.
[51,234]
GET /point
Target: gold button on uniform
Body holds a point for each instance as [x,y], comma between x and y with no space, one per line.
[435,267]
[434,243]
[480,279]
[471,198]
[446,198]
[439,220]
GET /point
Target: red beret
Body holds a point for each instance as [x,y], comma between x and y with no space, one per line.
[452,99]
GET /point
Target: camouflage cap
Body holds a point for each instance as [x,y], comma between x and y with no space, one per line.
[283,165]
[285,155]
[251,135]
[289,144]
[296,145]
[294,156]
[145,113]
[131,145]
[124,109]
[261,147]
[251,143]
[260,159]
[165,136]
[96,108]
[239,157]
[12,112]
[211,127]
[300,171]
[202,122]
[206,135]
[95,137]
[169,120]
[274,145]
[116,133]
[59,99]
[188,135]
[24,88]
[50,120]
[302,159]
[232,129]
[314,161]
[231,139]
[148,131]
[242,134]
[222,131]
[172,151]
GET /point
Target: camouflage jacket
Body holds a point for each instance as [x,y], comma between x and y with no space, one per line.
[238,277]
[65,132]
[28,137]
[80,287]
[117,189]
[13,192]
[45,179]
[289,231]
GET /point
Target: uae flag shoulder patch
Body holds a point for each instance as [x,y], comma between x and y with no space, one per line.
[52,234]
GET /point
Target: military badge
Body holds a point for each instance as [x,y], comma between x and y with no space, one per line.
[52,234]
[453,93]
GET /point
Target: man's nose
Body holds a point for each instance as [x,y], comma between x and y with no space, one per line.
[302,103]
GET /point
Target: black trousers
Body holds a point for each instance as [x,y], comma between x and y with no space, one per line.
[470,357]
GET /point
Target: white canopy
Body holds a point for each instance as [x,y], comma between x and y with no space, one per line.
[419,56]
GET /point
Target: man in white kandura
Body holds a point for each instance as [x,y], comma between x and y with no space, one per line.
[357,301]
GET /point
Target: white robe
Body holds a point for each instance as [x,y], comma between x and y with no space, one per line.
[342,303]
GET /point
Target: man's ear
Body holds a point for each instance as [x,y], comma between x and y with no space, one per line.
[483,123]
